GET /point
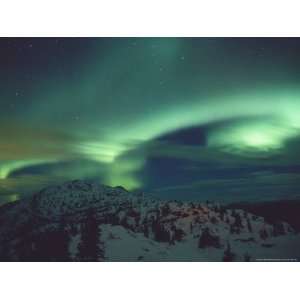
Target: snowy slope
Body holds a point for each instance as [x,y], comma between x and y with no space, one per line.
[83,220]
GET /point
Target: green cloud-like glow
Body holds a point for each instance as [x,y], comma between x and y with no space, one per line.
[254,136]
[114,102]
[245,136]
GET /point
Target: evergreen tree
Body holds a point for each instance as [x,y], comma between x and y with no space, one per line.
[234,229]
[216,208]
[238,220]
[160,233]
[42,245]
[236,226]
[278,229]
[214,220]
[73,229]
[222,215]
[153,224]
[228,254]
[137,220]
[165,210]
[24,249]
[247,257]
[208,239]
[145,227]
[249,225]
[51,245]
[178,234]
[263,234]
[90,247]
[5,251]
[191,227]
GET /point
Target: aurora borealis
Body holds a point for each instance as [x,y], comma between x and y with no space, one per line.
[195,118]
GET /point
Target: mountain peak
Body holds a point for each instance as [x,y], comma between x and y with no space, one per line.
[81,215]
[77,195]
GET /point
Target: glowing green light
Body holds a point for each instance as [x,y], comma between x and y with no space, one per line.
[260,140]
[253,136]
[106,138]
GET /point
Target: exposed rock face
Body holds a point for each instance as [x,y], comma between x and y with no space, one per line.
[85,221]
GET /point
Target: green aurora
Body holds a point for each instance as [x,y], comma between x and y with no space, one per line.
[104,109]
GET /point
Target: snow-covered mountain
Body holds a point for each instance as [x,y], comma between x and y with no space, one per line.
[86,221]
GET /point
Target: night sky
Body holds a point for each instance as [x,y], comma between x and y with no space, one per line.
[185,118]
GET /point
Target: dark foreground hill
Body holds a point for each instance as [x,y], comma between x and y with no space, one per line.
[85,221]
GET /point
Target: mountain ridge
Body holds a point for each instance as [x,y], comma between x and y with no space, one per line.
[83,220]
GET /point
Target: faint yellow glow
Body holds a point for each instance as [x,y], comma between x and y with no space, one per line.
[13,197]
[123,172]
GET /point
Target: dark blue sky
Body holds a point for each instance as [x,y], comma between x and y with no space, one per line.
[186,118]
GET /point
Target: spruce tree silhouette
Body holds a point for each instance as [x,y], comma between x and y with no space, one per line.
[191,227]
[145,227]
[228,254]
[249,225]
[278,229]
[51,245]
[161,234]
[207,239]
[263,234]
[247,257]
[90,247]
[235,227]
[165,210]
[214,220]
[238,221]
[46,244]
[178,234]
[24,250]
